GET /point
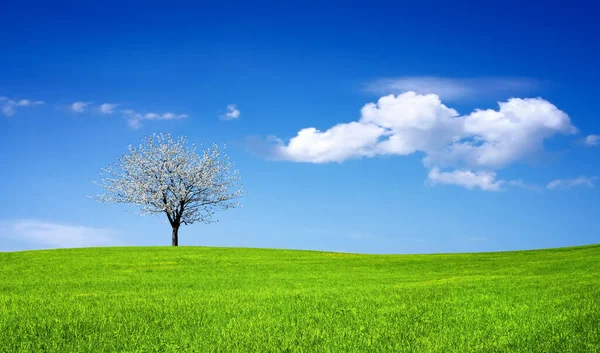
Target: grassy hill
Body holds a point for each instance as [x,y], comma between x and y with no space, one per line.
[199,299]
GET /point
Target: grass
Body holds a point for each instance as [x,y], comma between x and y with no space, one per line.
[200,299]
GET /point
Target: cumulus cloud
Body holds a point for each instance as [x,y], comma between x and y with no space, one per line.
[42,234]
[80,107]
[453,89]
[588,182]
[484,140]
[497,138]
[336,144]
[410,122]
[10,106]
[232,113]
[134,119]
[108,108]
[592,140]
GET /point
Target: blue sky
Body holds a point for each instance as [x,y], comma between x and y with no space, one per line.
[520,177]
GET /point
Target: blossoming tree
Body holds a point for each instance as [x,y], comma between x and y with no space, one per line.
[165,176]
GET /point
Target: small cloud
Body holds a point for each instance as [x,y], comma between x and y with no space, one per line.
[134,123]
[27,102]
[165,116]
[483,180]
[80,107]
[592,140]
[134,119]
[108,108]
[8,109]
[9,106]
[454,89]
[152,116]
[42,234]
[232,113]
[519,183]
[588,182]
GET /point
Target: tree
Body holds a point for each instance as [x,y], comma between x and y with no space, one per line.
[165,176]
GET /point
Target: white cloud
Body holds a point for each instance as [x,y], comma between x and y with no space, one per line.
[584,181]
[483,180]
[497,138]
[165,116]
[134,119]
[41,234]
[453,89]
[134,123]
[410,123]
[27,102]
[108,108]
[232,113]
[337,144]
[521,184]
[8,109]
[80,107]
[592,140]
[9,106]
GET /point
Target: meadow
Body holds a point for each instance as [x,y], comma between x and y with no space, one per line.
[203,299]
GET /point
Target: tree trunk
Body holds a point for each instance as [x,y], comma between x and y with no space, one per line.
[175,240]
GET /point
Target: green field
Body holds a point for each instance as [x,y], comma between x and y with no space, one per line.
[200,299]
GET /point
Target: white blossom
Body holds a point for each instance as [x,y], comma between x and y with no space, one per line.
[165,176]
